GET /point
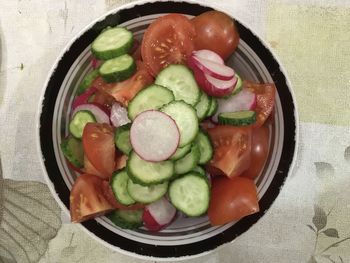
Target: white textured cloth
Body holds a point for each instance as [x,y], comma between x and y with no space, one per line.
[312,40]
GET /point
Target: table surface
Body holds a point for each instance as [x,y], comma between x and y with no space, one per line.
[310,219]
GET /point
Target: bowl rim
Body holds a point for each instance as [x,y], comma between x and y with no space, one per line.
[41,157]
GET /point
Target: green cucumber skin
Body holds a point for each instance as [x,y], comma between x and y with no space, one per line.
[181,152]
[87,81]
[119,180]
[205,147]
[188,162]
[119,139]
[151,98]
[108,54]
[239,85]
[136,179]
[174,198]
[238,121]
[203,106]
[213,107]
[199,169]
[119,75]
[76,125]
[127,219]
[72,149]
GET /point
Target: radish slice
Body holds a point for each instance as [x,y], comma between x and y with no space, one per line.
[154,136]
[244,100]
[101,115]
[158,215]
[216,70]
[119,115]
[209,55]
[214,87]
[95,63]
[84,97]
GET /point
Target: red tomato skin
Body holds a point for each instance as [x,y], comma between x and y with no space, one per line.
[87,200]
[232,199]
[168,40]
[216,31]
[259,152]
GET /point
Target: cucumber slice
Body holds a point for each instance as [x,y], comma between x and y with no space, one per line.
[186,119]
[78,122]
[148,173]
[181,152]
[117,69]
[190,194]
[237,118]
[150,98]
[205,147]
[203,106]
[189,161]
[146,194]
[112,42]
[199,169]
[87,81]
[128,219]
[119,182]
[213,107]
[122,139]
[239,85]
[180,80]
[72,149]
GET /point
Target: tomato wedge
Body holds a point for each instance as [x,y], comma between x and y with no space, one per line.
[124,91]
[168,40]
[260,150]
[99,148]
[232,146]
[265,100]
[87,200]
[232,199]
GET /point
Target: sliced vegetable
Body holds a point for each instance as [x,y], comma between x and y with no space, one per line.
[122,139]
[148,173]
[237,118]
[84,97]
[238,86]
[190,194]
[119,115]
[151,98]
[158,215]
[199,170]
[213,107]
[244,100]
[118,69]
[185,118]
[112,42]
[205,147]
[146,194]
[181,152]
[208,55]
[100,114]
[119,182]
[188,162]
[78,122]
[73,150]
[216,31]
[98,144]
[168,40]
[127,219]
[154,136]
[180,80]
[232,199]
[203,106]
[232,147]
[87,200]
[87,81]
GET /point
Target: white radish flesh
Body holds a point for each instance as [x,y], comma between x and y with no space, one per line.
[119,115]
[216,70]
[209,55]
[154,136]
[159,214]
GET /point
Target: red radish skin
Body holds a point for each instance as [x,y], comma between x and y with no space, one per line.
[209,55]
[154,136]
[119,115]
[100,113]
[158,215]
[84,97]
[216,70]
[95,63]
[244,100]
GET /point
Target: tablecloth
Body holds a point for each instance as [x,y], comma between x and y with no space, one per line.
[310,219]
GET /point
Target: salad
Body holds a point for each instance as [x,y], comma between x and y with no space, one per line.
[165,126]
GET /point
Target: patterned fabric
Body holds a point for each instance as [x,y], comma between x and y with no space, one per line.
[310,219]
